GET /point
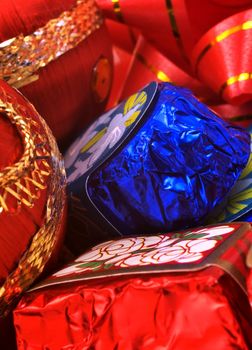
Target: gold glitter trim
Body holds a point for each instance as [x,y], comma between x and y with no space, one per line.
[41,159]
[235,79]
[158,73]
[222,36]
[22,56]
[23,180]
[117,10]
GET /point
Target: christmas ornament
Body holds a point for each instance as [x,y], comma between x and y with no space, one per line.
[59,56]
[32,196]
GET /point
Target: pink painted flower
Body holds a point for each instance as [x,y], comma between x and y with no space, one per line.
[112,249]
[216,230]
[182,252]
[147,250]
[69,270]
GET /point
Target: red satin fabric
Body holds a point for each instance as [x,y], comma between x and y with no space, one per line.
[122,62]
[195,17]
[62,95]
[175,312]
[19,16]
[151,17]
[122,35]
[10,143]
[239,115]
[227,58]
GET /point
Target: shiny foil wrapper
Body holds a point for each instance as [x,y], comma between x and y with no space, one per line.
[146,292]
[170,171]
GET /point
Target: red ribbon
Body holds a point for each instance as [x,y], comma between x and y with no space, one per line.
[210,41]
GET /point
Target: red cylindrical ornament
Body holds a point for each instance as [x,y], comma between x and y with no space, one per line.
[59,56]
[32,199]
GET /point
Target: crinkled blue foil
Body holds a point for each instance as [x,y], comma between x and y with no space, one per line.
[175,170]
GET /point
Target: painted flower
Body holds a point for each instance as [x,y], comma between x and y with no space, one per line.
[193,249]
[94,143]
[75,148]
[67,271]
[182,252]
[215,231]
[109,249]
[156,256]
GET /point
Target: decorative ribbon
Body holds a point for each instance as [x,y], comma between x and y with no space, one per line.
[117,10]
[222,58]
[149,64]
[218,48]
[220,37]
[162,76]
[21,57]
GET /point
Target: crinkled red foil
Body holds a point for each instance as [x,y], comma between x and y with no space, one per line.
[201,311]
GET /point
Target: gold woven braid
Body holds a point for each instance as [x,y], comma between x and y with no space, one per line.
[40,166]
[22,56]
[23,180]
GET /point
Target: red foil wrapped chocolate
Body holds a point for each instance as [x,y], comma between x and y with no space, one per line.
[177,291]
[32,200]
[58,54]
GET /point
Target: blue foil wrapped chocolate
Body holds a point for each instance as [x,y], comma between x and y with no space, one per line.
[159,161]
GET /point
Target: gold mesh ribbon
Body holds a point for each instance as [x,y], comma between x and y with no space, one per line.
[39,168]
[22,56]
